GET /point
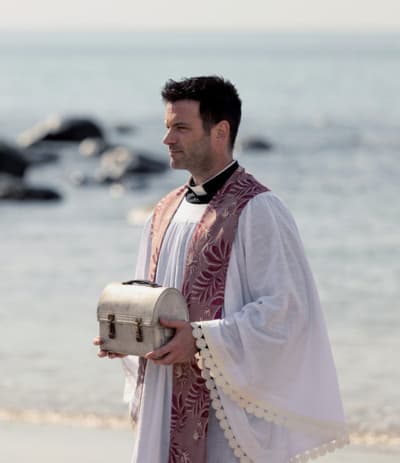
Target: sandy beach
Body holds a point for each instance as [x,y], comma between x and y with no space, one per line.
[22,442]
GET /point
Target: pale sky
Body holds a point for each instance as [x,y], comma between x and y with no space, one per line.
[202,14]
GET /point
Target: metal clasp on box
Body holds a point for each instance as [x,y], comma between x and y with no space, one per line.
[111,326]
[139,332]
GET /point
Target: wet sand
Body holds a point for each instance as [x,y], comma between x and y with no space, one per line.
[20,442]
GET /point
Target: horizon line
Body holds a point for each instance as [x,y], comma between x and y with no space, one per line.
[197,29]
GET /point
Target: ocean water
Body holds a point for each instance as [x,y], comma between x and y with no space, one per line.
[330,105]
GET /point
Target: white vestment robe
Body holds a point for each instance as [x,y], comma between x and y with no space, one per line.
[270,351]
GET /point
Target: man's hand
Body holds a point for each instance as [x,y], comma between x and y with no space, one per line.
[180,349]
[97,341]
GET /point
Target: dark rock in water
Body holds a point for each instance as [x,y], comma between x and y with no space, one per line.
[118,187]
[15,160]
[120,162]
[12,160]
[15,189]
[28,193]
[37,157]
[125,129]
[62,130]
[256,144]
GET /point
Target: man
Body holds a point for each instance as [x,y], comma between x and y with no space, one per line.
[251,377]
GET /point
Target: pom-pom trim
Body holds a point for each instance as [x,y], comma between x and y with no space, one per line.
[214,377]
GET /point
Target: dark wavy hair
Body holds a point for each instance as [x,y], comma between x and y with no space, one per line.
[218,100]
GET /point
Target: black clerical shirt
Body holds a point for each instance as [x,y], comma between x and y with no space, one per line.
[202,194]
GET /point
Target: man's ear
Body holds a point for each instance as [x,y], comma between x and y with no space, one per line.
[221,130]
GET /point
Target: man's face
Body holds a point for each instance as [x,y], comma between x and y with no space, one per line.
[189,145]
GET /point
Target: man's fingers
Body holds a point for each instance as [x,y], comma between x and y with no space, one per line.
[97,341]
[162,351]
[110,355]
[168,359]
[172,323]
[116,355]
[156,355]
[181,348]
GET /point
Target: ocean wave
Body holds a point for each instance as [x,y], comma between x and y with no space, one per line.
[87,420]
[378,440]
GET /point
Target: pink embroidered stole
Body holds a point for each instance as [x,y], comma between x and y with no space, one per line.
[203,287]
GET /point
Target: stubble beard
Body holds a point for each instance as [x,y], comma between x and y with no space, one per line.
[197,161]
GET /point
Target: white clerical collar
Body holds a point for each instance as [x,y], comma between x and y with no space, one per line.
[200,190]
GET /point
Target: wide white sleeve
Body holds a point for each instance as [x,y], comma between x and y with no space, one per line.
[130,363]
[268,360]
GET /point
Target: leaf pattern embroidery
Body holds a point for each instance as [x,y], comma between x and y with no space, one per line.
[197,403]
[178,413]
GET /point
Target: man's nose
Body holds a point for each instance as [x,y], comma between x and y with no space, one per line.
[168,138]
